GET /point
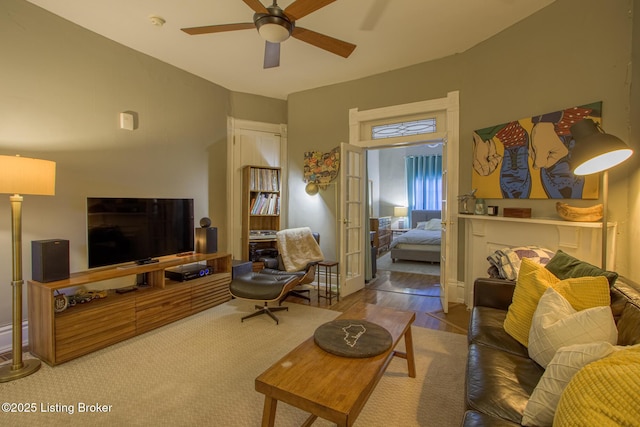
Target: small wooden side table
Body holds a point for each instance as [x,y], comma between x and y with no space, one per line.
[328,280]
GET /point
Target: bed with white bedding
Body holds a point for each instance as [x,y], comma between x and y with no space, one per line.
[422,241]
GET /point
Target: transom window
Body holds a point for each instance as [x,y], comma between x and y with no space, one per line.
[414,127]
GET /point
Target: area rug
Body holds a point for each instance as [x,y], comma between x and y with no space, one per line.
[408,283]
[404,266]
[200,371]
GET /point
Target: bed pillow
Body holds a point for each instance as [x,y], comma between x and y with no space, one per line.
[542,404]
[564,266]
[434,224]
[421,225]
[533,280]
[556,324]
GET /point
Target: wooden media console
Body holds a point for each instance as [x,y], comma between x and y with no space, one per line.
[57,337]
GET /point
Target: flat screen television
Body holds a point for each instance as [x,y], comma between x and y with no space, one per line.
[121,230]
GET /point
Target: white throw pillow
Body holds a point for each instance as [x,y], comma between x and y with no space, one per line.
[557,324]
[543,402]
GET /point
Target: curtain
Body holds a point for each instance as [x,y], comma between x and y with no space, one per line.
[424,182]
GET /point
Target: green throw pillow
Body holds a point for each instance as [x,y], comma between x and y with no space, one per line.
[564,266]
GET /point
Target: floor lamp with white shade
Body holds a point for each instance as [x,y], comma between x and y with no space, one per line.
[596,151]
[18,176]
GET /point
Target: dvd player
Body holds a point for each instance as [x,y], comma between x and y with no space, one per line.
[187,272]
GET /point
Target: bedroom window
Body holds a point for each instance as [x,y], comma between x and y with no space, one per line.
[424,182]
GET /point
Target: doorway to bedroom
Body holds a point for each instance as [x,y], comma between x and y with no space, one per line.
[394,225]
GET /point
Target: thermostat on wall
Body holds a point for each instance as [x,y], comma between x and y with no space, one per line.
[126,121]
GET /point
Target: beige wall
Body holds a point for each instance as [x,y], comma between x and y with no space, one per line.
[633,168]
[572,52]
[61,90]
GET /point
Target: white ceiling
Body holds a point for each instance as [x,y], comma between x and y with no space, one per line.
[388,34]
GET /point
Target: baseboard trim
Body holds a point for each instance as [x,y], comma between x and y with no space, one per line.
[6,337]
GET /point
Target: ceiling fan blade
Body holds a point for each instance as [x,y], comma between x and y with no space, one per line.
[256,6]
[208,29]
[300,8]
[322,41]
[271,55]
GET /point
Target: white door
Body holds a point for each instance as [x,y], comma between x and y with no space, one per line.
[250,147]
[352,206]
[444,241]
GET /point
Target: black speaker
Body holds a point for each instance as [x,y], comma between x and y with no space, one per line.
[207,240]
[49,260]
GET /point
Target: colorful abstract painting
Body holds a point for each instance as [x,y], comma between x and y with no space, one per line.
[531,158]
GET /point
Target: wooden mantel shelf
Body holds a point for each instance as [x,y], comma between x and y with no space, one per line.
[539,220]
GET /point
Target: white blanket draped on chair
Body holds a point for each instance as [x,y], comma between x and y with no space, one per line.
[297,247]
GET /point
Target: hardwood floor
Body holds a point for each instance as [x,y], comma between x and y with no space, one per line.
[400,294]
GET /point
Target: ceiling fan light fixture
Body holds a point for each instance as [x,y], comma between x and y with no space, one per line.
[274,29]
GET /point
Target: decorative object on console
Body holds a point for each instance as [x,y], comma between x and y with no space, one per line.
[517,212]
[596,151]
[467,202]
[401,212]
[22,175]
[355,338]
[206,237]
[481,207]
[320,169]
[573,213]
[502,153]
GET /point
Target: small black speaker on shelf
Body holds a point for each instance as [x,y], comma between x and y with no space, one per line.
[206,238]
[49,260]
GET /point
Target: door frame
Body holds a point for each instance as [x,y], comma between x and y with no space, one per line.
[450,106]
[234,177]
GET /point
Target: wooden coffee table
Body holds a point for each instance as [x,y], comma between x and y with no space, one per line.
[333,387]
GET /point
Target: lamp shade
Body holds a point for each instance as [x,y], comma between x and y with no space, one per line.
[596,151]
[400,211]
[24,175]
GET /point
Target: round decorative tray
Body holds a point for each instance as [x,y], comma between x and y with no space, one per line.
[352,338]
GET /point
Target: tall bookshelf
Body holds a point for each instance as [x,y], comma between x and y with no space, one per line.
[260,208]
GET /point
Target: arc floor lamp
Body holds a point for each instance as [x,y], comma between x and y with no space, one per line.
[596,151]
[18,176]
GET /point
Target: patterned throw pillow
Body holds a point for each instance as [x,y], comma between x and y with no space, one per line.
[507,261]
[568,360]
[556,324]
[533,280]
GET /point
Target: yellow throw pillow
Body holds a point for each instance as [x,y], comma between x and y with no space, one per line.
[533,280]
[603,393]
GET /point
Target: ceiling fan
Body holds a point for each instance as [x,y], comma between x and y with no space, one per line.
[276,25]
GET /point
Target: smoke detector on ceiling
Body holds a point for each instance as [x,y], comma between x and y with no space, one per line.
[157,21]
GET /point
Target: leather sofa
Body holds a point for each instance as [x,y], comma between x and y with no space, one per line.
[500,375]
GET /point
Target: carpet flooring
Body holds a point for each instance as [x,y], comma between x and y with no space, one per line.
[404,266]
[200,371]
